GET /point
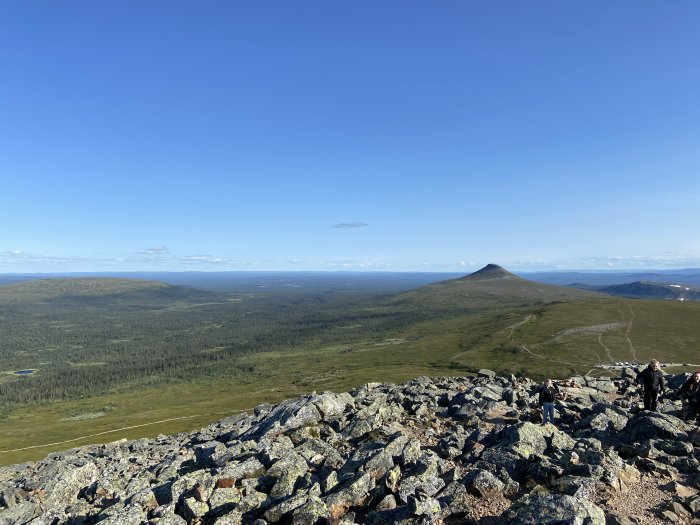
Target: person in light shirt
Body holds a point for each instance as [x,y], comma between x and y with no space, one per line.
[548,393]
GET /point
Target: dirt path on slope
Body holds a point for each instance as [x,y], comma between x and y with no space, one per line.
[608,354]
[512,327]
[600,329]
[120,429]
[549,358]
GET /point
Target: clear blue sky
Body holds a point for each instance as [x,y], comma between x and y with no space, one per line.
[355,135]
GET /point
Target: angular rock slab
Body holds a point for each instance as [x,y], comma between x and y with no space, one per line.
[553,509]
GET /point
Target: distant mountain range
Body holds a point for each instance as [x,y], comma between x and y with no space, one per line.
[671,285]
[649,290]
[683,284]
[687,276]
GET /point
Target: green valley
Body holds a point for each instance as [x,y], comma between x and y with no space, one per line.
[114,358]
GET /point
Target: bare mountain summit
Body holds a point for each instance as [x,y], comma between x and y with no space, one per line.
[492,286]
[491,271]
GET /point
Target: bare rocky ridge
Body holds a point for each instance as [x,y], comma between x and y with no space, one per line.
[432,451]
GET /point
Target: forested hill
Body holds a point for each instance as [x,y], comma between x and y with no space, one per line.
[102,290]
[86,336]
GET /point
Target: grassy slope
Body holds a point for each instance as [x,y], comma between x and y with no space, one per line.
[278,376]
[477,324]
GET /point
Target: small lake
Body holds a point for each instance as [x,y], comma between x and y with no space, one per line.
[24,372]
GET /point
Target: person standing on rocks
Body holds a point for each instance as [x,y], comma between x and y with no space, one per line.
[651,379]
[548,393]
[690,395]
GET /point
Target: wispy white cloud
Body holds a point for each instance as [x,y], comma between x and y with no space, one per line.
[351,225]
[624,262]
[160,258]
[449,266]
[665,260]
[358,265]
[201,258]
[14,256]
[158,250]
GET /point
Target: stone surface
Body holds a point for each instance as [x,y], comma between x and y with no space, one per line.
[554,509]
[445,450]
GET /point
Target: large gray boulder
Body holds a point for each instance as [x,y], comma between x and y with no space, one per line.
[483,484]
[20,514]
[350,493]
[291,414]
[605,418]
[330,405]
[553,509]
[527,439]
[652,425]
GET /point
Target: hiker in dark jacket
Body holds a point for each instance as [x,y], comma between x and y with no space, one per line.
[651,379]
[690,395]
[548,393]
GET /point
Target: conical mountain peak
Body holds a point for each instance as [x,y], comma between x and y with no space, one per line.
[491,271]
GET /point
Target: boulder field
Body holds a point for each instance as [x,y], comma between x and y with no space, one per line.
[456,450]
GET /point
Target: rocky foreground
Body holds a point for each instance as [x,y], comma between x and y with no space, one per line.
[449,450]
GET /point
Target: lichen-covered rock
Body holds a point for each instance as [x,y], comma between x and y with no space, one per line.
[20,513]
[223,500]
[652,425]
[674,448]
[248,468]
[426,452]
[311,512]
[577,486]
[171,519]
[424,506]
[351,493]
[483,484]
[605,418]
[204,452]
[278,510]
[66,482]
[330,405]
[126,516]
[253,500]
[523,439]
[553,509]
[429,485]
[290,414]
[488,392]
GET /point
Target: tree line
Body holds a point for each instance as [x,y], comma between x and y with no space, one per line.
[83,348]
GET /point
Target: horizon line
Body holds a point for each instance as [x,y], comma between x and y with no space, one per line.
[367,271]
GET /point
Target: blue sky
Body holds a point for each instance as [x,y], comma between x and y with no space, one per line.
[365,135]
